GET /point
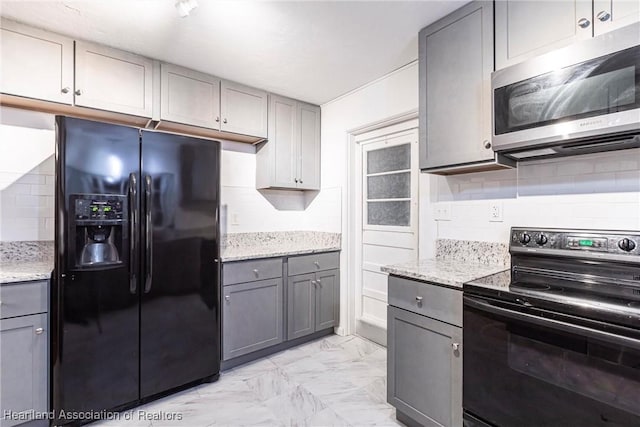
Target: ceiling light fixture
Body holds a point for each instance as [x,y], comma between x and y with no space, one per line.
[185,7]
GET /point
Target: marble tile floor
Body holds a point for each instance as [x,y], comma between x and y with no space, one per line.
[333,381]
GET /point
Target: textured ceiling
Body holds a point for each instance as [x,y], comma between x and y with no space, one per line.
[310,50]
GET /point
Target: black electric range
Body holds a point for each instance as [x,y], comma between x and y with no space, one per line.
[555,341]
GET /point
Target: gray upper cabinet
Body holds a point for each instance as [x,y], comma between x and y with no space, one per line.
[35,63]
[243,109]
[189,97]
[113,80]
[309,155]
[291,156]
[609,15]
[424,368]
[252,317]
[456,61]
[525,29]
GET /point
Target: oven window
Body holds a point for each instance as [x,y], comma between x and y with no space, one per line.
[517,373]
[600,86]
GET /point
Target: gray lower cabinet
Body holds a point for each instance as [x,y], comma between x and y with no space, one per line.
[424,368]
[251,317]
[23,351]
[312,302]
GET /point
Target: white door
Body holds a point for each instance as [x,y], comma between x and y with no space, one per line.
[389,200]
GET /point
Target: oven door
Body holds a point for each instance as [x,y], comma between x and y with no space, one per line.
[521,369]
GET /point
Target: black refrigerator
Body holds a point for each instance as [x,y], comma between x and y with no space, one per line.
[135,290]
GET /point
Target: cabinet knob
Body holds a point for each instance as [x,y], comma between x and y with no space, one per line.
[255,271]
[300,181]
[65,89]
[583,22]
[39,331]
[313,282]
[486,143]
[419,301]
[224,120]
[217,119]
[295,180]
[227,298]
[455,346]
[318,282]
[78,92]
[603,15]
[316,263]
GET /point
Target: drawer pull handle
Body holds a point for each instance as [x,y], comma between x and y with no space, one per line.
[227,298]
[419,301]
[455,346]
[39,331]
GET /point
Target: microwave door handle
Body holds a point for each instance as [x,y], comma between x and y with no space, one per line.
[133,233]
[551,323]
[148,235]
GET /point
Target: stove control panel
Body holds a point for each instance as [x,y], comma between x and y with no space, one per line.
[586,241]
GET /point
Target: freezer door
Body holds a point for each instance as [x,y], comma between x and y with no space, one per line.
[95,306]
[180,332]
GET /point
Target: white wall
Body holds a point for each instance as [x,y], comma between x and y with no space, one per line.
[245,209]
[393,95]
[589,191]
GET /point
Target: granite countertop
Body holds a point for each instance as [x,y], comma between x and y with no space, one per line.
[24,271]
[446,272]
[244,246]
[495,282]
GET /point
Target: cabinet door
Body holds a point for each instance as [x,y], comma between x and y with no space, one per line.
[612,14]
[113,80]
[282,136]
[243,109]
[327,285]
[35,63]
[189,97]
[309,146]
[23,365]
[456,61]
[251,317]
[424,368]
[525,29]
[301,302]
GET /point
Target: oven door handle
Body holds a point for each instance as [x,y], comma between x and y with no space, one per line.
[482,305]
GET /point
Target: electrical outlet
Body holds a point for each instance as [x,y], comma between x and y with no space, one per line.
[495,212]
[442,212]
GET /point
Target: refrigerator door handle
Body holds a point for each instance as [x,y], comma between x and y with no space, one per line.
[133,233]
[149,235]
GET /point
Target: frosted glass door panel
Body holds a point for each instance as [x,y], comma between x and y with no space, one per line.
[388,186]
[389,159]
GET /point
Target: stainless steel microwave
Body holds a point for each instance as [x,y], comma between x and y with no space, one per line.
[580,99]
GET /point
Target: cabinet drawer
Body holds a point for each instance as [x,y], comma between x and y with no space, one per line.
[19,299]
[249,271]
[434,301]
[311,263]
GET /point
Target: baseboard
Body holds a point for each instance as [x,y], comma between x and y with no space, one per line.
[371,331]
